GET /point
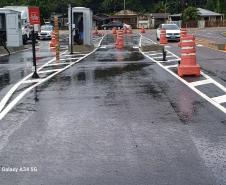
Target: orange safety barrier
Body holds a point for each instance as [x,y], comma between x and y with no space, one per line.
[114,30]
[142,30]
[188,64]
[163,39]
[124,30]
[129,30]
[183,33]
[95,31]
[53,42]
[119,40]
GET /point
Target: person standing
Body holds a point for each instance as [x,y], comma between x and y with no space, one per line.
[80,28]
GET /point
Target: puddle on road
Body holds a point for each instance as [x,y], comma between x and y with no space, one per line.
[102,73]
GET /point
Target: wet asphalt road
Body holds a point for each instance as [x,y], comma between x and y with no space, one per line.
[212,34]
[114,119]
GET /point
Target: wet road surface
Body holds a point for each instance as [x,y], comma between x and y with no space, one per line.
[114,118]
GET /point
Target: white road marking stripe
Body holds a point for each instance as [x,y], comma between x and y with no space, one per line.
[176,65]
[201,82]
[172,60]
[220,99]
[31,81]
[63,59]
[215,82]
[166,57]
[155,54]
[48,71]
[5,109]
[210,100]
[58,64]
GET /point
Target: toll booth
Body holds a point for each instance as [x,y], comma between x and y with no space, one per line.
[10,28]
[81,20]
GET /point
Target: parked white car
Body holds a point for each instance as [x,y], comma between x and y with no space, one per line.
[46,32]
[172,31]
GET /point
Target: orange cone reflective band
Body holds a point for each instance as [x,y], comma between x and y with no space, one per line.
[183,33]
[53,41]
[163,39]
[129,30]
[188,64]
[114,31]
[119,40]
[142,30]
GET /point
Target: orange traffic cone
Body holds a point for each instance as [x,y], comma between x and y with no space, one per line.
[53,41]
[183,33]
[95,31]
[188,65]
[119,40]
[163,39]
[129,30]
[114,30]
[142,30]
[124,30]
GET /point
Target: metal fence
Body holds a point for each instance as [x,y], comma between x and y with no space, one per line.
[204,24]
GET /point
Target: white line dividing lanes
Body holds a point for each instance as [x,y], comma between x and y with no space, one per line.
[4,109]
[216,101]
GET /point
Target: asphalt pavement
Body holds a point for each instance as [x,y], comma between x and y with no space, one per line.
[115,118]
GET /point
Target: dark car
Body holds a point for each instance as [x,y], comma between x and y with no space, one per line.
[112,24]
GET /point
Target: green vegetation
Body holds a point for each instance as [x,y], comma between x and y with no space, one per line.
[111,6]
[190,14]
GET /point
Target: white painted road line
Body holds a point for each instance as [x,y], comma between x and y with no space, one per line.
[58,64]
[201,82]
[48,71]
[173,60]
[155,54]
[162,57]
[171,66]
[220,99]
[4,109]
[31,81]
[203,95]
[76,58]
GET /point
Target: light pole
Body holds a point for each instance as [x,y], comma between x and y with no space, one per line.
[124,5]
[165,8]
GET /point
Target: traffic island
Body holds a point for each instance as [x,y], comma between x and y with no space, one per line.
[152,47]
[82,48]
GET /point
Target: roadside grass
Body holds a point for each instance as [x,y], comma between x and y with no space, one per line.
[224,33]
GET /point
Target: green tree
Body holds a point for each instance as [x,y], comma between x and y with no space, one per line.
[190,14]
[161,7]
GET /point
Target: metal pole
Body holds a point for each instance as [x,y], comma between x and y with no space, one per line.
[35,74]
[71,41]
[165,9]
[164,54]
[124,5]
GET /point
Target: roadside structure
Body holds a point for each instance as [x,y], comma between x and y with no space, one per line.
[127,17]
[206,18]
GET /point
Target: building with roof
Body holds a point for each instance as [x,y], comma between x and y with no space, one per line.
[152,20]
[204,14]
[127,17]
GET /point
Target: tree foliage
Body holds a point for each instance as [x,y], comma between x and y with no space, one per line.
[190,14]
[111,6]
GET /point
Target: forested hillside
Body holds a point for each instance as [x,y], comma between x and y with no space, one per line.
[111,6]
